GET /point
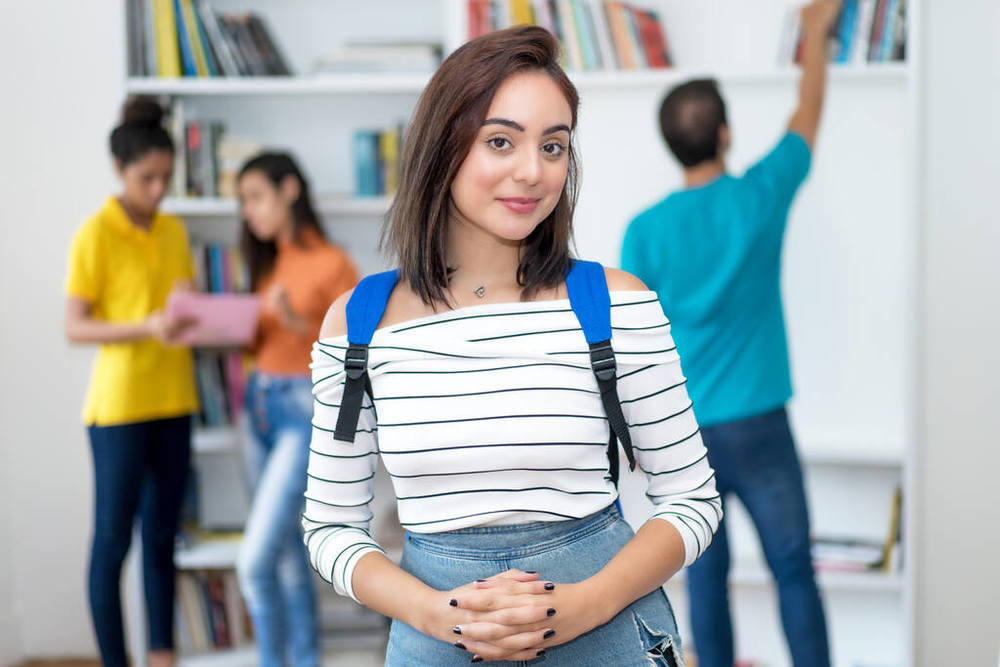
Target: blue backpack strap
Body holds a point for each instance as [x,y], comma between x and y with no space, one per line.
[364,311]
[591,303]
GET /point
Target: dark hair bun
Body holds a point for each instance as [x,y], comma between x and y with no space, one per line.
[142,110]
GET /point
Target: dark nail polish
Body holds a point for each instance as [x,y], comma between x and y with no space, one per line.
[549,586]
[457,630]
[459,645]
[540,652]
[550,612]
[453,602]
[548,633]
[476,659]
[531,571]
[479,581]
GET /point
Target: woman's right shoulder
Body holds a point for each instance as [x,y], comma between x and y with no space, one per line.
[335,321]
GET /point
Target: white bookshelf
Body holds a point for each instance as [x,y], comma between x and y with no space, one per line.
[850,262]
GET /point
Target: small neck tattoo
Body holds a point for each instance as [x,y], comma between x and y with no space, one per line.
[480,291]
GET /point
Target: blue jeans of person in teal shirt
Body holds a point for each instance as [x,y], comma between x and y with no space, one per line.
[755,459]
[273,566]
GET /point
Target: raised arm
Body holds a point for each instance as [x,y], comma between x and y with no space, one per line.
[817,17]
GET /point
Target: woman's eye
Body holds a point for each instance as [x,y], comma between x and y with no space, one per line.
[499,143]
[554,148]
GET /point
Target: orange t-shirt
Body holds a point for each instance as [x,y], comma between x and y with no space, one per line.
[313,274]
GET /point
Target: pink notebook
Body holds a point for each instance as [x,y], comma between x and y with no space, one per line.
[222,319]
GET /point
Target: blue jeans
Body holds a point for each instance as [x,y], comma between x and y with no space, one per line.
[755,458]
[644,633]
[274,571]
[141,468]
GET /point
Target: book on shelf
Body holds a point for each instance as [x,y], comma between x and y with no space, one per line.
[376,161]
[380,57]
[211,613]
[173,38]
[851,554]
[866,31]
[206,161]
[594,35]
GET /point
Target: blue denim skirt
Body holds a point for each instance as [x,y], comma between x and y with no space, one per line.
[644,633]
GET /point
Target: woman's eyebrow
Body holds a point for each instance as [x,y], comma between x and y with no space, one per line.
[517,126]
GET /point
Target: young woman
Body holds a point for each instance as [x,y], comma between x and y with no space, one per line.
[486,411]
[298,274]
[123,263]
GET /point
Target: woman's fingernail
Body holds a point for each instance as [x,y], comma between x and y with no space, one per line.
[476,659]
[457,630]
[479,581]
[550,612]
[531,571]
[548,633]
[549,586]
[540,652]
[459,645]
[453,602]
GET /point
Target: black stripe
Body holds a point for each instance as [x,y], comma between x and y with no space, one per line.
[656,449]
[684,521]
[663,419]
[490,418]
[354,553]
[478,472]
[638,370]
[492,391]
[684,467]
[328,523]
[332,405]
[530,488]
[330,430]
[341,481]
[504,444]
[642,398]
[708,479]
[343,456]
[483,370]
[618,352]
[323,502]
[694,509]
[469,516]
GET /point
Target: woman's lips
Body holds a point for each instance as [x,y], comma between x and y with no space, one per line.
[519,204]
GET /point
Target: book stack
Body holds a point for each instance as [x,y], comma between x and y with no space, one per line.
[376,161]
[831,554]
[594,35]
[211,613]
[867,31]
[171,38]
[221,375]
[380,58]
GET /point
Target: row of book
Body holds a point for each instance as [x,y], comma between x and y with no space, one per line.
[867,31]
[222,375]
[207,162]
[171,38]
[594,35]
[376,161]
[831,554]
[211,613]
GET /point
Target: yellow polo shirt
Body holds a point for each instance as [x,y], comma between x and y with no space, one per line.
[125,273]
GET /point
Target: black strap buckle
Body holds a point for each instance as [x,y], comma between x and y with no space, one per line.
[356,361]
[602,360]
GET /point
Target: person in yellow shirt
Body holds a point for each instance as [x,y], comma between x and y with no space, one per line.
[298,274]
[123,263]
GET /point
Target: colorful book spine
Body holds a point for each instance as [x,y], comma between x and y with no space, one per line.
[168,56]
[588,42]
[366,163]
[188,65]
[571,35]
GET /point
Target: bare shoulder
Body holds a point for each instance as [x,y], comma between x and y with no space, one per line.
[335,322]
[623,281]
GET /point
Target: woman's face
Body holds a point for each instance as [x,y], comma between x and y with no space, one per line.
[147,180]
[515,171]
[267,207]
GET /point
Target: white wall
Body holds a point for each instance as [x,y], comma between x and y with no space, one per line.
[61,82]
[958,583]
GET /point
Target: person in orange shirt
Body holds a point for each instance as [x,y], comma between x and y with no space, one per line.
[297,274]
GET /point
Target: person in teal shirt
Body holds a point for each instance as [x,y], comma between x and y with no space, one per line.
[712,253]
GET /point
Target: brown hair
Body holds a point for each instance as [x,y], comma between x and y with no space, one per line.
[448,117]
